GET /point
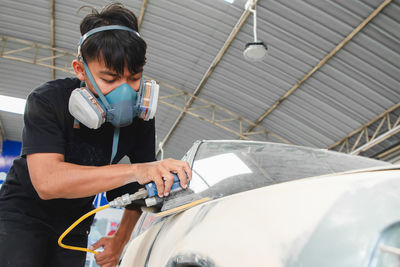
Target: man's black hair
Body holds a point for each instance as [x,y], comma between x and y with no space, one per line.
[118,47]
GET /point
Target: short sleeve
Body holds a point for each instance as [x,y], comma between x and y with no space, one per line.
[42,131]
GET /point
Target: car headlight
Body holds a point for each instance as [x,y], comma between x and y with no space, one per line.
[387,250]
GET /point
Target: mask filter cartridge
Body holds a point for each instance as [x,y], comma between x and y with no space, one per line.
[84,106]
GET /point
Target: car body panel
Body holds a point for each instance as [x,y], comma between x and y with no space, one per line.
[331,220]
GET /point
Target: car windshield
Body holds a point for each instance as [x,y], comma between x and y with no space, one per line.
[222,168]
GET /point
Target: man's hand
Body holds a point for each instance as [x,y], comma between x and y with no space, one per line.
[114,244]
[160,173]
[113,248]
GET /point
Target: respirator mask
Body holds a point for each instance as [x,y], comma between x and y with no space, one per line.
[120,106]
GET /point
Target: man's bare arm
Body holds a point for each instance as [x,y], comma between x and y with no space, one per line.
[54,178]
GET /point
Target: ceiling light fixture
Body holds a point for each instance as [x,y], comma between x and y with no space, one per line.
[257,50]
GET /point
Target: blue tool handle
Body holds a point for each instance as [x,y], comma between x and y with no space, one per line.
[152,188]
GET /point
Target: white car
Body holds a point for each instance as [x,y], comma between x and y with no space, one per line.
[268,204]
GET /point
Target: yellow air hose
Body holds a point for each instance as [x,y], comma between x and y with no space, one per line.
[74,225]
[121,201]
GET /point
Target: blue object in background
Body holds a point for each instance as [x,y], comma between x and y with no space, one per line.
[11,150]
[100,200]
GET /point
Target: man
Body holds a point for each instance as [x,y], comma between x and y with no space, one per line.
[64,163]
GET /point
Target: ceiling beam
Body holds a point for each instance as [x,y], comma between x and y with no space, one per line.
[52,38]
[388,153]
[320,64]
[208,73]
[34,56]
[218,116]
[377,140]
[142,11]
[371,133]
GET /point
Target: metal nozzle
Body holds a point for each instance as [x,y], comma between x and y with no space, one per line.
[127,199]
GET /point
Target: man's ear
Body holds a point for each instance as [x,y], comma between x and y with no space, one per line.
[79,69]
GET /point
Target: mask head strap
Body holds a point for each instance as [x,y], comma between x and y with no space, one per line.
[98,91]
[140,90]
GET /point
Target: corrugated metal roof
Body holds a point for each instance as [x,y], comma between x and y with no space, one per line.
[357,84]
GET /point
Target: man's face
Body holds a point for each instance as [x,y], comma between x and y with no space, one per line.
[108,80]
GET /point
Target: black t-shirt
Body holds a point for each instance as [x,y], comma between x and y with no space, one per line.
[49,129]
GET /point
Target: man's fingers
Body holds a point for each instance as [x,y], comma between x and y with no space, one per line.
[160,173]
[182,177]
[188,170]
[181,168]
[169,180]
[184,173]
[160,186]
[102,256]
[98,244]
[104,259]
